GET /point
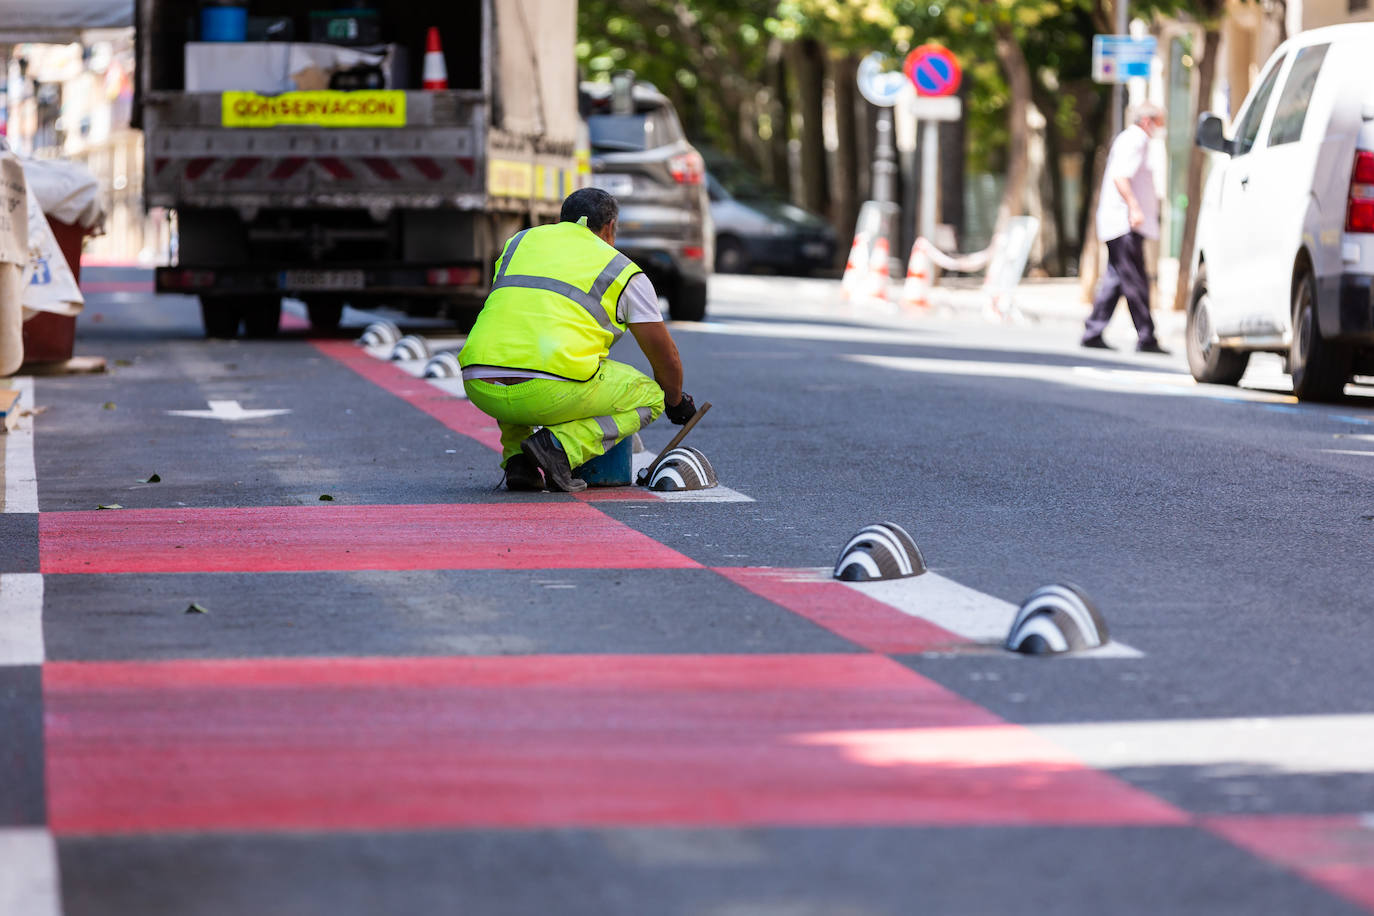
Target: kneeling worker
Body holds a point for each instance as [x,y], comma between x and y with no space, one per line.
[562,295]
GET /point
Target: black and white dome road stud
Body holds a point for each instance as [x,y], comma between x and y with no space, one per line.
[682,468]
[881,551]
[1057,619]
[443,365]
[412,346]
[379,334]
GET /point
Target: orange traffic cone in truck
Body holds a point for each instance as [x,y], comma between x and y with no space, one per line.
[436,71]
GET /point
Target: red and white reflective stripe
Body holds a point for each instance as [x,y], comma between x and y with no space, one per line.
[365,168]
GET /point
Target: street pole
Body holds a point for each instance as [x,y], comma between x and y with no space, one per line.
[884,160]
[1119,88]
[930,147]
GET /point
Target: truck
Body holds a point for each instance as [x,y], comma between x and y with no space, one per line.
[317,150]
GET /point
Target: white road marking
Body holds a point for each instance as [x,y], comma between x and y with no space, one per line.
[229,410]
[28,872]
[1277,744]
[21,620]
[976,616]
[21,480]
[1346,451]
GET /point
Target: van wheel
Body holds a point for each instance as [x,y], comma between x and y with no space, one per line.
[1208,361]
[1320,368]
[688,301]
[220,315]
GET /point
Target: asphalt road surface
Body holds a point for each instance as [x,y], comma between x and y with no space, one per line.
[427,695]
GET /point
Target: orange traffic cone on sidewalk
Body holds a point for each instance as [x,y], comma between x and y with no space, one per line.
[916,289]
[436,71]
[856,268]
[879,273]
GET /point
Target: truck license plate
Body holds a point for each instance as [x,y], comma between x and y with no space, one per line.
[322,279]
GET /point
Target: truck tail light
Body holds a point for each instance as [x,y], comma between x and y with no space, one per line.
[694,253]
[1359,213]
[687,168]
[187,279]
[453,276]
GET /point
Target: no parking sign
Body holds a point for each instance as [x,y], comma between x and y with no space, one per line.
[933,70]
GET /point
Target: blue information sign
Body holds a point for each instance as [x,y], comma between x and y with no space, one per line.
[1118,58]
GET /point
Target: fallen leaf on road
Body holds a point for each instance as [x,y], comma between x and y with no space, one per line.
[111,506]
[151,478]
[326,498]
[33,413]
[197,609]
[124,362]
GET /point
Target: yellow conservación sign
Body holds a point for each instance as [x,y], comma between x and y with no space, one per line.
[378,108]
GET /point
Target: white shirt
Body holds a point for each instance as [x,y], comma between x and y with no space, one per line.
[638,301]
[1129,159]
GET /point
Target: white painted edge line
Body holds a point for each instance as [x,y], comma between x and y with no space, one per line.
[967,612]
[21,620]
[1342,743]
[21,479]
[28,872]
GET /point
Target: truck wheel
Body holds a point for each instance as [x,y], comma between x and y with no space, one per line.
[1320,368]
[688,301]
[261,316]
[1208,361]
[325,315]
[220,315]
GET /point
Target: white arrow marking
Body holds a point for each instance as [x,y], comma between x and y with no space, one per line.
[228,410]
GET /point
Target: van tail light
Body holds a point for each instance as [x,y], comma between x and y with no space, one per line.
[687,168]
[1359,213]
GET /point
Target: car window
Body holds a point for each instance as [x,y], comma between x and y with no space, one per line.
[1297,93]
[634,132]
[1250,123]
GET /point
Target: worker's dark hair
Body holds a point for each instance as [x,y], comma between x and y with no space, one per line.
[595,204]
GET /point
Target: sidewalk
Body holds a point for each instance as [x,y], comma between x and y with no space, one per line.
[1056,301]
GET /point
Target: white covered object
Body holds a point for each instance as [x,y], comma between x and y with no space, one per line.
[67,192]
[270,67]
[49,285]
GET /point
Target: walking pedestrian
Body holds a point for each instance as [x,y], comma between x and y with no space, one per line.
[536,357]
[1127,215]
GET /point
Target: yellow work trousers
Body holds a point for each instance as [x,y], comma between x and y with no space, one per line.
[587,418]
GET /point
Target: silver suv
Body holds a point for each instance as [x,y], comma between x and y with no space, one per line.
[641,156]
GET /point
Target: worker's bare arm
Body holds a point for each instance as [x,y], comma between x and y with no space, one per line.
[653,338]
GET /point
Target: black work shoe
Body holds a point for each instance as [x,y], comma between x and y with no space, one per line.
[523,474]
[1095,343]
[553,461]
[1151,346]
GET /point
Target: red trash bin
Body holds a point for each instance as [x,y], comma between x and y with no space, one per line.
[48,337]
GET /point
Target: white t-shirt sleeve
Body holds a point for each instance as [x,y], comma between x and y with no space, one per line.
[1128,160]
[639,302]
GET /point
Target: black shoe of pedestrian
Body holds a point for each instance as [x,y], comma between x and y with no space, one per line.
[1095,343]
[553,461]
[523,474]
[1151,346]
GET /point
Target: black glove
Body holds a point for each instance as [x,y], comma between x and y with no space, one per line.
[682,411]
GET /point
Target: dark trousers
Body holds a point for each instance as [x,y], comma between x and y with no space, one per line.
[1125,277]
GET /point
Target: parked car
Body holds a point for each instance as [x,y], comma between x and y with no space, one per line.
[1285,258]
[757,227]
[641,156]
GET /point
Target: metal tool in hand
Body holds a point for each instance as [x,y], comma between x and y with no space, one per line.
[646,473]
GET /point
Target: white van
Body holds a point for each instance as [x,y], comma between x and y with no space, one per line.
[1285,254]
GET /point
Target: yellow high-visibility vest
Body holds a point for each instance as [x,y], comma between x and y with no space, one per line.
[552,303]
